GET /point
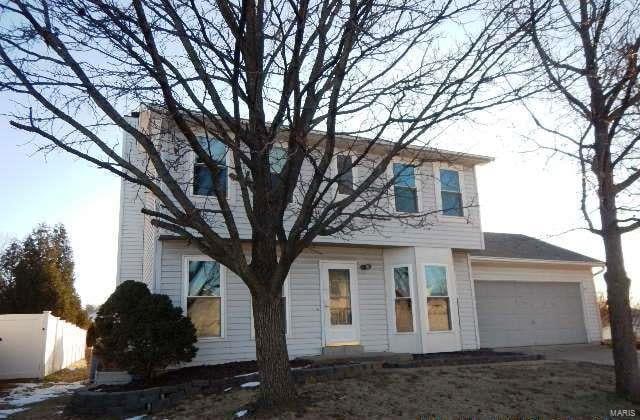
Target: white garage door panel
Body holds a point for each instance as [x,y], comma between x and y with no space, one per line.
[514,314]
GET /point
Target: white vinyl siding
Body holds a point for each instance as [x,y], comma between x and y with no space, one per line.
[131,249]
[582,275]
[466,301]
[304,290]
[466,234]
[438,234]
[150,241]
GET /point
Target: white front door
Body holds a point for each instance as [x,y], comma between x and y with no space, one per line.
[339,288]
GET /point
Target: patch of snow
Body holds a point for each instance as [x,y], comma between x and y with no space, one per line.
[240,413]
[141,417]
[228,389]
[301,367]
[250,384]
[30,393]
[246,374]
[6,413]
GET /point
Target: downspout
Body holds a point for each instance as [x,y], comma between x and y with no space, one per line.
[602,270]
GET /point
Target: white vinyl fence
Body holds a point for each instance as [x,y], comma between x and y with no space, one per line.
[36,345]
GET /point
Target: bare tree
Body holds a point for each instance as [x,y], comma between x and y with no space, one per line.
[255,76]
[588,51]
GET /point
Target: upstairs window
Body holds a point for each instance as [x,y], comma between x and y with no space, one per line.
[403,301]
[345,178]
[405,191]
[277,160]
[204,297]
[450,193]
[438,304]
[204,182]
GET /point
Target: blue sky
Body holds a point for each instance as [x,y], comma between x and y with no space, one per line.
[519,192]
[58,188]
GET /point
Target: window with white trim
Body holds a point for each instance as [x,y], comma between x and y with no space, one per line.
[450,193]
[277,160]
[438,302]
[344,168]
[204,182]
[285,302]
[403,299]
[404,188]
[204,296]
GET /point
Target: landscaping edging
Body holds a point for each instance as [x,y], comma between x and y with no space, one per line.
[96,402]
[471,360]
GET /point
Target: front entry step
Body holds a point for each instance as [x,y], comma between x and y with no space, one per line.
[343,351]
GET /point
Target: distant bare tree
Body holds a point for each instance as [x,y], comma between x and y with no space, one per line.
[256,76]
[603,308]
[5,275]
[588,51]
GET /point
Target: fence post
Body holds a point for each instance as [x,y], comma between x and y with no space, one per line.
[43,357]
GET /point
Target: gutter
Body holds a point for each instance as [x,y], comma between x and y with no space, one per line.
[535,261]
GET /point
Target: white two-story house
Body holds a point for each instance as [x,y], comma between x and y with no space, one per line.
[444,287]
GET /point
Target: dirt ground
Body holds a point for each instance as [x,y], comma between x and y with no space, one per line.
[45,398]
[79,371]
[518,389]
[540,389]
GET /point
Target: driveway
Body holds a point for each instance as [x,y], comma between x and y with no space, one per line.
[593,353]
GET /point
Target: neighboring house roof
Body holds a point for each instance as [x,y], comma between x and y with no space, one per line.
[522,247]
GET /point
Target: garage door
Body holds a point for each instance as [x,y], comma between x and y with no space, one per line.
[529,313]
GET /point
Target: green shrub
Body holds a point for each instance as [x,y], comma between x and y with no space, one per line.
[143,332]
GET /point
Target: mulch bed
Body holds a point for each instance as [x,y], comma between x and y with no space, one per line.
[229,370]
[468,357]
[202,372]
[464,354]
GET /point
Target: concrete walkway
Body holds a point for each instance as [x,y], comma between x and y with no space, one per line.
[594,353]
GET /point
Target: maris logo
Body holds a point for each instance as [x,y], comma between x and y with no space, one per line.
[622,413]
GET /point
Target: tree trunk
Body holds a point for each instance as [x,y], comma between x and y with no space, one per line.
[623,339]
[276,381]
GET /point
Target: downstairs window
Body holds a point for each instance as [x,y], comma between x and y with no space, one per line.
[204,297]
[438,303]
[403,301]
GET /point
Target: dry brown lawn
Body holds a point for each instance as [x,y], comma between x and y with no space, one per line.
[79,371]
[516,389]
[540,389]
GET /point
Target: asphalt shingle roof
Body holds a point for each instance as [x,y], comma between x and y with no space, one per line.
[512,245]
